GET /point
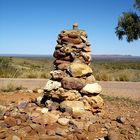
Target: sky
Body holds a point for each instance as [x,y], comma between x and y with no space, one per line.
[32,26]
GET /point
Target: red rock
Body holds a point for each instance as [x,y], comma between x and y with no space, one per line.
[66,39]
[57,54]
[57,62]
[112,135]
[10,121]
[72,83]
[80,136]
[50,129]
[94,128]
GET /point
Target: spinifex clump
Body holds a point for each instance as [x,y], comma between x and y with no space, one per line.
[72,85]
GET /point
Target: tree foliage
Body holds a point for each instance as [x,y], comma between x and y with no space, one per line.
[129,25]
[137,4]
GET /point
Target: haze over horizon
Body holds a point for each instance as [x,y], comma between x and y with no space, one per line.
[32,26]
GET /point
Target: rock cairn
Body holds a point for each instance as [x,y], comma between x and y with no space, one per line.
[72,86]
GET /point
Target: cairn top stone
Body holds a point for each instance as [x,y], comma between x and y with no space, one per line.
[75,26]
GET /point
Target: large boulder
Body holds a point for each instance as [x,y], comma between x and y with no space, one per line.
[77,69]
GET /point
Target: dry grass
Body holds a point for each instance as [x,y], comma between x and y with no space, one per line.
[103,70]
[12,87]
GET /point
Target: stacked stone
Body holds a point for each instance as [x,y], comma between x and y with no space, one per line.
[72,83]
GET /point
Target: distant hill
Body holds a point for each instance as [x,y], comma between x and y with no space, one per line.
[97,57]
[115,57]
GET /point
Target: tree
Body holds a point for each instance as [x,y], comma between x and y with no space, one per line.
[129,25]
[137,4]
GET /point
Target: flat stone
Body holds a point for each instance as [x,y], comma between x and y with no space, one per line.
[94,88]
[72,83]
[50,85]
[66,39]
[47,118]
[58,46]
[61,132]
[63,121]
[74,107]
[79,69]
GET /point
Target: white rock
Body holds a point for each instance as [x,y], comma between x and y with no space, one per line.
[38,100]
[40,91]
[94,88]
[75,107]
[15,138]
[63,121]
[44,110]
[52,85]
[57,74]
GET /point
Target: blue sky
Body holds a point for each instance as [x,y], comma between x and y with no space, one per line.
[32,26]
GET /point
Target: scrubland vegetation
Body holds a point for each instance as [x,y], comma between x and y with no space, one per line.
[40,67]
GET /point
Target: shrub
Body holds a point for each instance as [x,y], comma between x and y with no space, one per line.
[11,87]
